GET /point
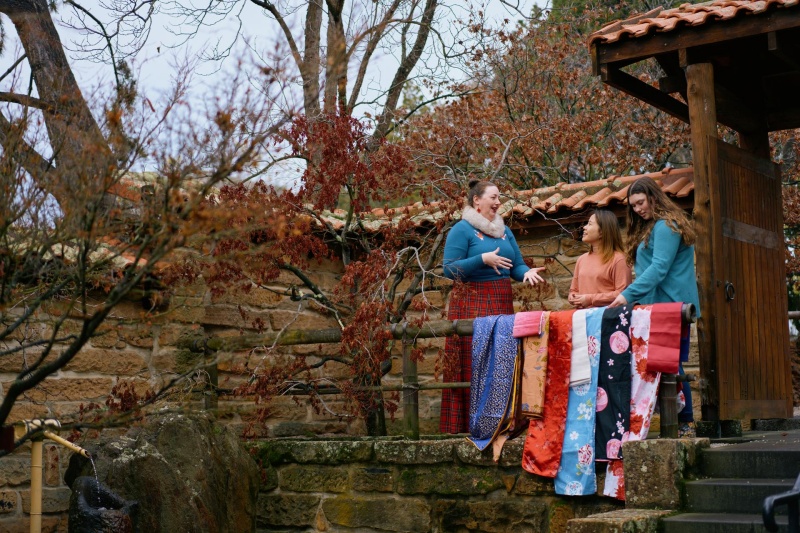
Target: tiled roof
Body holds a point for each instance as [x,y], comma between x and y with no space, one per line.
[555,202]
[666,20]
[545,203]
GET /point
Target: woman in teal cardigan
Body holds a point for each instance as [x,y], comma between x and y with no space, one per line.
[661,248]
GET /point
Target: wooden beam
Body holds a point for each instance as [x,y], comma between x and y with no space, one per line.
[673,84]
[688,37]
[703,120]
[786,119]
[782,51]
[670,64]
[641,90]
[756,142]
[735,112]
[732,111]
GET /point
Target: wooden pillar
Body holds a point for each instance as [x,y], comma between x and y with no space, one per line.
[703,121]
[756,143]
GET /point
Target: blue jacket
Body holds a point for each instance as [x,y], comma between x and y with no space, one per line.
[664,270]
[463,249]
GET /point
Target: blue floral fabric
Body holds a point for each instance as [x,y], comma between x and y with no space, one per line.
[494,354]
[576,474]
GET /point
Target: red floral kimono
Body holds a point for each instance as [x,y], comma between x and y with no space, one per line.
[541,454]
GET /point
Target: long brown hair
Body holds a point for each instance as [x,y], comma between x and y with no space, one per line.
[610,235]
[662,208]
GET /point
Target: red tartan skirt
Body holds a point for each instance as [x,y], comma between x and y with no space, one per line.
[468,301]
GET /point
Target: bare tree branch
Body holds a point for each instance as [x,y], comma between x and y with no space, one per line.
[407,64]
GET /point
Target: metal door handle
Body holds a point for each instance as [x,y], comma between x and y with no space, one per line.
[730,291]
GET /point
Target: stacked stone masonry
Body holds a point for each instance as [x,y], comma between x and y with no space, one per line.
[396,485]
[142,353]
[447,485]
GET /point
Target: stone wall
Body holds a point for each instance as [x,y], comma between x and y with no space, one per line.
[15,494]
[143,354]
[396,485]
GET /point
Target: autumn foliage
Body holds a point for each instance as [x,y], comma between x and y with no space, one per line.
[539,117]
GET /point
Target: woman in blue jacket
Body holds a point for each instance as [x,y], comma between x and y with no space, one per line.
[660,246]
[482,254]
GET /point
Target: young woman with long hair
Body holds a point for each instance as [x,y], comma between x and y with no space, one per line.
[602,273]
[660,246]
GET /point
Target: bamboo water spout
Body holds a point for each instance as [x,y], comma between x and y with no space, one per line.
[40,429]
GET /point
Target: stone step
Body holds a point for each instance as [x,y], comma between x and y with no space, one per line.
[638,520]
[774,459]
[718,523]
[724,495]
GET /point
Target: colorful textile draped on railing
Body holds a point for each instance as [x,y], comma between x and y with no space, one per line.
[584,419]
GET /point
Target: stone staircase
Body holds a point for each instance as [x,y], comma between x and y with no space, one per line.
[736,476]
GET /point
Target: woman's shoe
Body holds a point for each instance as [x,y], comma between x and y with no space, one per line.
[686,430]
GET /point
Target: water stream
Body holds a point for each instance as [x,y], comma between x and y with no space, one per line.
[97,480]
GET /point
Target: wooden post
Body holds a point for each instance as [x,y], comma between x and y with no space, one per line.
[756,142]
[668,405]
[703,121]
[36,484]
[410,388]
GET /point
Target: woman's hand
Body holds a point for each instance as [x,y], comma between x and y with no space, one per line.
[496,261]
[618,301]
[532,276]
[581,301]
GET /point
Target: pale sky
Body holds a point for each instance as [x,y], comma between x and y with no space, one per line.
[153,65]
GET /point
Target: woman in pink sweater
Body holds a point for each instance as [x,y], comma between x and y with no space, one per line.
[602,273]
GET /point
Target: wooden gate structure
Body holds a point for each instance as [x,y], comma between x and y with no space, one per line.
[735,63]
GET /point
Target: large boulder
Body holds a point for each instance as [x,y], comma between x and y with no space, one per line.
[188,473]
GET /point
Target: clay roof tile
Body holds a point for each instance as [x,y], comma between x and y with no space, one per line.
[675,186]
[593,199]
[685,15]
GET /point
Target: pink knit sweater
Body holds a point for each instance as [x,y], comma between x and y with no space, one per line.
[603,281]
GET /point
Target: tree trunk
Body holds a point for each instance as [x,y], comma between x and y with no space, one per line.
[80,151]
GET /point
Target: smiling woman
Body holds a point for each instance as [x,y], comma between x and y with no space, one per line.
[661,247]
[482,254]
[602,273]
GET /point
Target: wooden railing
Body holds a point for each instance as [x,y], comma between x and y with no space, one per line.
[408,334]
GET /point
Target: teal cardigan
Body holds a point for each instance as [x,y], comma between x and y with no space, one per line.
[664,270]
[463,249]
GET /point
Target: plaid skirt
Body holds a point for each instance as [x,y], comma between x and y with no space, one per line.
[468,301]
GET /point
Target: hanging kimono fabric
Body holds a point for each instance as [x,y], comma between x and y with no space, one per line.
[613,383]
[644,393]
[580,372]
[541,454]
[529,324]
[513,423]
[576,475]
[494,367]
[534,369]
[665,338]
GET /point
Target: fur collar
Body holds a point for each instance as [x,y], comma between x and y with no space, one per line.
[495,228]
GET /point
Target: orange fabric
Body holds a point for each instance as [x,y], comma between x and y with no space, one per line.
[534,371]
[541,454]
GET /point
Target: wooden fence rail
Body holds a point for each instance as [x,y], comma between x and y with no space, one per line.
[408,333]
